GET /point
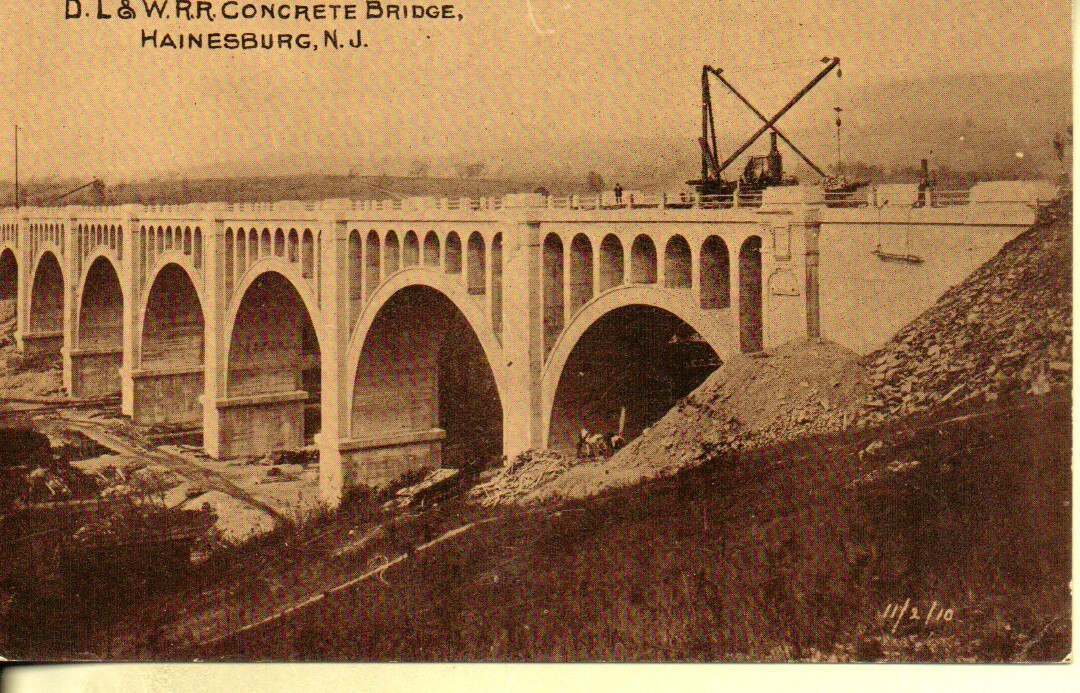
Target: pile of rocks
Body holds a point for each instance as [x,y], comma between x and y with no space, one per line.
[520,476]
[1007,327]
[800,389]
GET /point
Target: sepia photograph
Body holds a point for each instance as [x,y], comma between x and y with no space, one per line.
[536,331]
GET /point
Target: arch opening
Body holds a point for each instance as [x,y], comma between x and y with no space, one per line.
[677,264]
[9,283]
[581,271]
[391,254]
[477,267]
[612,263]
[356,276]
[422,371]
[372,263]
[750,327]
[274,370]
[410,253]
[643,260]
[627,370]
[431,249]
[453,253]
[95,363]
[715,274]
[169,383]
[553,290]
[496,283]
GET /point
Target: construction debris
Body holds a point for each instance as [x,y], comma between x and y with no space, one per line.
[520,476]
[435,485]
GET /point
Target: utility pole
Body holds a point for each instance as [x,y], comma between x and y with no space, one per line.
[16,166]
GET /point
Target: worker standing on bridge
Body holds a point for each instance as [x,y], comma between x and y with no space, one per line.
[618,194]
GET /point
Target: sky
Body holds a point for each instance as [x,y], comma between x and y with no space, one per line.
[91,101]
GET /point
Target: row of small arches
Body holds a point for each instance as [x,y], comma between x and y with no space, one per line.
[90,236]
[375,256]
[160,239]
[562,299]
[46,233]
[9,232]
[245,247]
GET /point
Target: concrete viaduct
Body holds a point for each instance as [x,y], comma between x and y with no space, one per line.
[395,333]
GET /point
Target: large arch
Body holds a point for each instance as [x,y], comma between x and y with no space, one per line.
[717,336]
[47,297]
[99,336]
[169,382]
[423,361]
[273,367]
[9,284]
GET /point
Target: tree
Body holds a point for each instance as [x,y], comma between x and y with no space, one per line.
[595,182]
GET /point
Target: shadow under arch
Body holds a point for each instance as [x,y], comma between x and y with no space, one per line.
[171,347]
[99,335]
[669,313]
[423,365]
[273,347]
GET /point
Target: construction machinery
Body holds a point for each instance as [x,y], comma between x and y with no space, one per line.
[760,171]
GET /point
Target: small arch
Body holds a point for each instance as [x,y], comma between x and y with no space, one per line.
[356,275]
[496,283]
[187,240]
[431,249]
[750,327]
[231,273]
[372,262]
[677,264]
[264,244]
[142,250]
[241,252]
[715,274]
[612,263]
[294,246]
[119,242]
[168,238]
[410,254]
[554,300]
[307,254]
[253,247]
[160,241]
[581,271]
[476,280]
[196,249]
[391,254]
[453,253]
[112,236]
[643,260]
[279,243]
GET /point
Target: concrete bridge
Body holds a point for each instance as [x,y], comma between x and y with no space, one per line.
[397,334]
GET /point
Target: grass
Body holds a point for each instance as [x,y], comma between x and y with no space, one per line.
[791,553]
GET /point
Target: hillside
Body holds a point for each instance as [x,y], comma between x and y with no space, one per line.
[936,535]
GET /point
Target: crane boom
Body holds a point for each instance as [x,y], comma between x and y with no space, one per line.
[833,63]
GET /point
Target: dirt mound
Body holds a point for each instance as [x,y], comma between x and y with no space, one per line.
[1007,327]
[800,389]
